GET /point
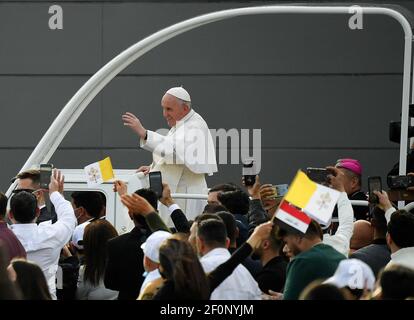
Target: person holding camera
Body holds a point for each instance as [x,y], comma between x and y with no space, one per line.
[29,181]
[43,242]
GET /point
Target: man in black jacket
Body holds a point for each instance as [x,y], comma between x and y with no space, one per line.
[273,274]
[377,254]
[124,269]
[229,220]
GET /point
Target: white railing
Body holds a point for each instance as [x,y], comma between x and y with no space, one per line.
[198,196]
[189,196]
[362,203]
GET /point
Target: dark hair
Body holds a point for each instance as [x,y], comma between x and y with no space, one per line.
[91,201]
[3,205]
[401,228]
[206,216]
[224,187]
[23,205]
[31,280]
[314,231]
[322,291]
[213,208]
[103,198]
[152,199]
[236,202]
[275,242]
[397,283]
[33,175]
[356,293]
[212,232]
[181,266]
[230,223]
[379,222]
[149,195]
[96,235]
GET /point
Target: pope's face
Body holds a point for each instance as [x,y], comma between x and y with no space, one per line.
[173,110]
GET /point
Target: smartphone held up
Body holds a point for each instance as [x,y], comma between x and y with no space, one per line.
[155,181]
[45,175]
[249,171]
[319,175]
[374,184]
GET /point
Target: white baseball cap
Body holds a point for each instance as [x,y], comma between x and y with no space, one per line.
[151,247]
[353,273]
[77,236]
[180,93]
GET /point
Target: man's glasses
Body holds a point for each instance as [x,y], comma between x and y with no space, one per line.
[35,192]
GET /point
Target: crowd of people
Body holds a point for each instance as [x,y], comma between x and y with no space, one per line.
[234,250]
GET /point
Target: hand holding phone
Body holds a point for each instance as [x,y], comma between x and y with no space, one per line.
[166,198]
[318,175]
[384,202]
[336,179]
[155,181]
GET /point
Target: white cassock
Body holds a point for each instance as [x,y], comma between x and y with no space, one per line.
[184,156]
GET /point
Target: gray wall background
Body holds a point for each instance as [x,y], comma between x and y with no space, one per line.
[318,90]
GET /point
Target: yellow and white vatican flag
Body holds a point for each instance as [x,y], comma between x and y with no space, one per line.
[315,200]
[99,172]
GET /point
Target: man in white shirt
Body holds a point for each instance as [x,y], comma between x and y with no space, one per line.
[184,156]
[212,244]
[43,242]
[400,232]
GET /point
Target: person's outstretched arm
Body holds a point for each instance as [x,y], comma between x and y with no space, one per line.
[177,215]
[218,275]
[138,205]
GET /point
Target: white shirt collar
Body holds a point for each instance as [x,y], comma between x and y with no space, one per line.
[217,252]
[23,225]
[403,253]
[185,118]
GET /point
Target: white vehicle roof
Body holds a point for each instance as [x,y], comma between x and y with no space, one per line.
[78,175]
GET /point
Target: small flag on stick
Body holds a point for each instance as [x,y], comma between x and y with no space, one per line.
[99,172]
[293,217]
[314,199]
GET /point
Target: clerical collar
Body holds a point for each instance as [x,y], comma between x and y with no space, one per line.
[187,116]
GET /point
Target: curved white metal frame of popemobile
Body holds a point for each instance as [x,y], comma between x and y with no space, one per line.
[78,103]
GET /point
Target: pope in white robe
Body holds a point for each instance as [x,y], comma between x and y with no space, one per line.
[184,156]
